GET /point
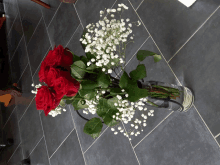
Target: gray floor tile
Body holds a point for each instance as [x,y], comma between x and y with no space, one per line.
[89,10]
[25,6]
[25,85]
[62,27]
[197,65]
[19,61]
[49,13]
[11,131]
[74,44]
[14,36]
[10,13]
[180,22]
[40,152]
[136,3]
[30,21]
[181,139]
[17,157]
[31,129]
[35,50]
[69,152]
[85,140]
[111,149]
[56,129]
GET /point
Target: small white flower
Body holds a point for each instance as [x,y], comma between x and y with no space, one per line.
[32,85]
[109,71]
[93,60]
[127,19]
[132,133]
[122,90]
[136,127]
[88,63]
[108,10]
[119,128]
[115,133]
[117,114]
[119,9]
[113,116]
[132,125]
[126,95]
[64,110]
[112,129]
[101,12]
[103,92]
[144,124]
[112,15]
[113,10]
[103,69]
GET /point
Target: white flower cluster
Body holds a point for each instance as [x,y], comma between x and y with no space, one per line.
[36,87]
[107,40]
[129,111]
[56,111]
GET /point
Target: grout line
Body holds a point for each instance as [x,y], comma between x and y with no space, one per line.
[131,145]
[76,2]
[217,135]
[193,35]
[11,25]
[26,109]
[139,5]
[172,70]
[153,129]
[21,73]
[34,31]
[8,118]
[44,139]
[77,136]
[95,140]
[35,146]
[16,49]
[61,143]
[206,125]
[20,138]
[14,152]
[78,16]
[53,15]
[72,35]
[48,33]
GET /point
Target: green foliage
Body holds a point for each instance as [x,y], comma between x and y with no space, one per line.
[103,80]
[89,56]
[142,54]
[78,69]
[62,103]
[93,127]
[84,59]
[88,94]
[131,88]
[78,102]
[139,72]
[88,84]
[106,110]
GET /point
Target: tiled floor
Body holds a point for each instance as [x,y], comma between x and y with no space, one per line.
[187,38]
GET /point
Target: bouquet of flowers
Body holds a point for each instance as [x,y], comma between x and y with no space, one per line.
[86,82]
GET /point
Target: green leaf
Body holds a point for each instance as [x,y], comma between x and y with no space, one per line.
[62,103]
[67,98]
[106,110]
[93,127]
[89,56]
[135,93]
[91,67]
[88,84]
[88,94]
[84,59]
[115,91]
[157,58]
[77,103]
[123,82]
[69,101]
[78,69]
[138,73]
[103,80]
[142,54]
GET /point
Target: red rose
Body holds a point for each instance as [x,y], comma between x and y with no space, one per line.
[44,69]
[45,100]
[59,57]
[52,75]
[60,87]
[72,86]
